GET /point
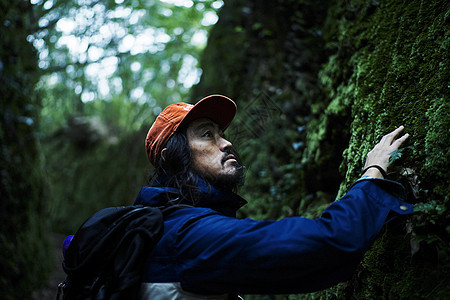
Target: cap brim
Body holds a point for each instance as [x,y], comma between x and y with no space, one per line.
[217,108]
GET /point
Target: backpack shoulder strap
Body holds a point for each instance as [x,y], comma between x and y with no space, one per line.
[106,253]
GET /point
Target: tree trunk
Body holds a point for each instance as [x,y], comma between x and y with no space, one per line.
[24,243]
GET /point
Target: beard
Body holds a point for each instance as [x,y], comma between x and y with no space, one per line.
[227,181]
[231,181]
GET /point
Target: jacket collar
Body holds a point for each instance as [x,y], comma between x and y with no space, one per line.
[223,201]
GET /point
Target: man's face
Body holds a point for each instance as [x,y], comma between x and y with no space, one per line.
[212,155]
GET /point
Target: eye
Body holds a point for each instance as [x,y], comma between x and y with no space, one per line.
[208,134]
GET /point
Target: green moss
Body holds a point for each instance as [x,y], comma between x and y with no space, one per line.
[436,147]
[25,260]
[398,79]
[377,65]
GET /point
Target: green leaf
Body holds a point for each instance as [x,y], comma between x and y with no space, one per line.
[397,154]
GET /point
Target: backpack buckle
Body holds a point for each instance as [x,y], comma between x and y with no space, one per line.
[60,293]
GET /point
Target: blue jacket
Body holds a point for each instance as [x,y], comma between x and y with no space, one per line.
[206,250]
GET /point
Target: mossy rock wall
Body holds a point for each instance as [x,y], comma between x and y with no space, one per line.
[397,57]
[25,257]
[317,84]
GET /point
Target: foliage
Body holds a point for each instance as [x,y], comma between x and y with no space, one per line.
[125,51]
[317,84]
[103,70]
[105,173]
[397,154]
[24,243]
[266,57]
[315,94]
[109,67]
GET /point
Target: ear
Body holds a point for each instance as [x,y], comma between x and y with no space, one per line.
[163,154]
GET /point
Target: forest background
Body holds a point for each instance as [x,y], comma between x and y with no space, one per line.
[317,84]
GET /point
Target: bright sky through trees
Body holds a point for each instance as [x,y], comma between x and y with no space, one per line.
[93,46]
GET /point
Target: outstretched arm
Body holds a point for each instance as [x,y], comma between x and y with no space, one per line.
[380,154]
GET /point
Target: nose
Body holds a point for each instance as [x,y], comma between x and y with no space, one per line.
[224,144]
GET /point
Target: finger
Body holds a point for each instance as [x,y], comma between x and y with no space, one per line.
[397,131]
[400,140]
[388,138]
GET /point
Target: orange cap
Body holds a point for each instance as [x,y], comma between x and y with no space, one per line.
[218,108]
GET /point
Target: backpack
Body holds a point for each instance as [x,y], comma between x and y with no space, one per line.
[106,256]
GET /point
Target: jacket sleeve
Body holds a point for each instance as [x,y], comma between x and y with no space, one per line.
[218,254]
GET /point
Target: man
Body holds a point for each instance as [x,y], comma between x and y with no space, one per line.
[206,253]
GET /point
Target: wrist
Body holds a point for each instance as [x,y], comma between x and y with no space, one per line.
[374,171]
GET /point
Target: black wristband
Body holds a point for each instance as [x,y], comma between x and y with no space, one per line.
[383,172]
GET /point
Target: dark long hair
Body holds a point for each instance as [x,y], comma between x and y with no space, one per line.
[176,171]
